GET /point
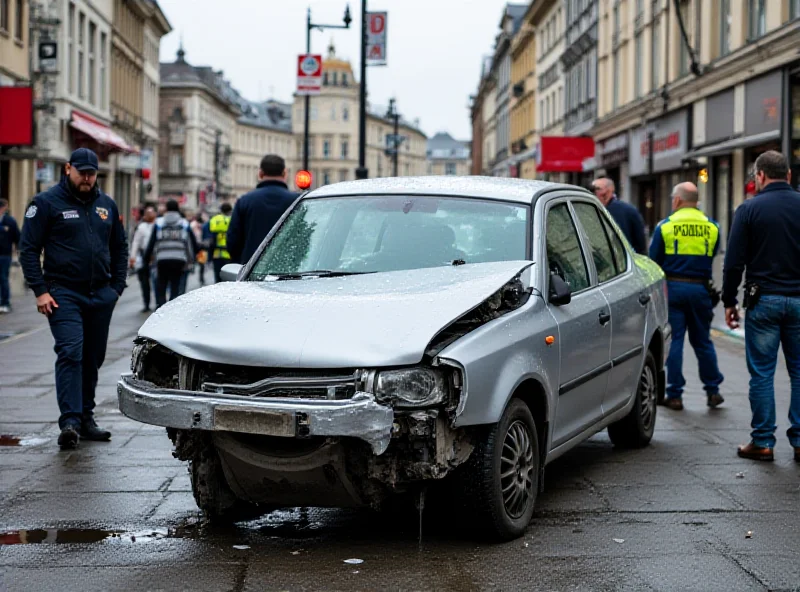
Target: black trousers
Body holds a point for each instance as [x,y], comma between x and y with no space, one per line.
[170,273]
[218,265]
[144,282]
[80,328]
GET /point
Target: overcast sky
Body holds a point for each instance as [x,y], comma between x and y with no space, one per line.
[434,49]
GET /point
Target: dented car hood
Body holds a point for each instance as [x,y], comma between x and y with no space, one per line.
[372,320]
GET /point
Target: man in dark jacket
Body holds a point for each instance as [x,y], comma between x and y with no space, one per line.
[9,236]
[173,245]
[625,215]
[85,268]
[257,212]
[764,242]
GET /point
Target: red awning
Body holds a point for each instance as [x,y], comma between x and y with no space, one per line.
[561,154]
[100,132]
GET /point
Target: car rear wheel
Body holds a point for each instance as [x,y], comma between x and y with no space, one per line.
[501,477]
[635,430]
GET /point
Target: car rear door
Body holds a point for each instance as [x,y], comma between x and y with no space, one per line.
[584,332]
[621,287]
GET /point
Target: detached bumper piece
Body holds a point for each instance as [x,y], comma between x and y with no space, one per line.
[359,417]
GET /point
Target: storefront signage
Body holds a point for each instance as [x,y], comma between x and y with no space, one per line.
[763,104]
[669,136]
[613,151]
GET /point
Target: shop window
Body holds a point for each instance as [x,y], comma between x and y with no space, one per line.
[725,27]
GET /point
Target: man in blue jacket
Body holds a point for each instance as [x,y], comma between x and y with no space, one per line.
[764,244]
[85,268]
[257,212]
[625,215]
[9,236]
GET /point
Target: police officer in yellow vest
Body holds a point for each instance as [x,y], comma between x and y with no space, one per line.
[218,225]
[684,245]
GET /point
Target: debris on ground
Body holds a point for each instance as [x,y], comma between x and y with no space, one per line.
[297,552]
[353,561]
[620,541]
[241,547]
[740,475]
[749,534]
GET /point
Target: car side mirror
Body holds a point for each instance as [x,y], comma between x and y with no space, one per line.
[560,292]
[230,272]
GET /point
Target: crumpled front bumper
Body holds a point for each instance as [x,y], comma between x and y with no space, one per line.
[359,417]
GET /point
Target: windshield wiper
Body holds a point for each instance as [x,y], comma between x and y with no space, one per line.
[316,273]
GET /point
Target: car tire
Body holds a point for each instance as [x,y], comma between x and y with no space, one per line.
[511,448]
[635,430]
[212,493]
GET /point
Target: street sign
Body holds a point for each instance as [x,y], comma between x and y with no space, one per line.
[376,38]
[309,74]
[48,56]
[392,141]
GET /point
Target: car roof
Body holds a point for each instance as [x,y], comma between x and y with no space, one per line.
[501,188]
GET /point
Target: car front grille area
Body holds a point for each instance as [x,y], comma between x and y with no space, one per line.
[266,382]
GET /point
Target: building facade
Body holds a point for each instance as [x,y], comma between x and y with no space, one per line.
[198,122]
[524,91]
[579,64]
[701,111]
[16,162]
[448,156]
[137,28]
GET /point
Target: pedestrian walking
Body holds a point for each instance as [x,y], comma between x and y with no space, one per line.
[172,245]
[202,252]
[626,216]
[256,212]
[684,245]
[85,269]
[141,238]
[9,238]
[218,226]
[764,246]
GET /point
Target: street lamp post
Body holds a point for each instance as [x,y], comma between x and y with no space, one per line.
[361,171]
[309,25]
[395,117]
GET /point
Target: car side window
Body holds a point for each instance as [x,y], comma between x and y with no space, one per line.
[620,254]
[564,255]
[598,241]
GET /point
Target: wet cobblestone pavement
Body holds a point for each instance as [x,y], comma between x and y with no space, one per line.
[682,514]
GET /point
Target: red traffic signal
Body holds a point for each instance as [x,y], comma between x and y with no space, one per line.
[303,179]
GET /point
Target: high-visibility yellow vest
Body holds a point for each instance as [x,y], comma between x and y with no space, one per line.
[218,225]
[689,232]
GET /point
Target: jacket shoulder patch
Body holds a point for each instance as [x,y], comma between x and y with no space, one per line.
[31,211]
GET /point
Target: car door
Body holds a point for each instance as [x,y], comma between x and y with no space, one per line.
[584,332]
[621,287]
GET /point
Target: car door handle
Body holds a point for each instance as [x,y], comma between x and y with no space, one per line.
[644,298]
[604,317]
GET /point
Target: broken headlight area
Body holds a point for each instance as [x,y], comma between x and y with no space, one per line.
[154,363]
[411,387]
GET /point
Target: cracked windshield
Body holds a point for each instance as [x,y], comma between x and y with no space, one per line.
[374,234]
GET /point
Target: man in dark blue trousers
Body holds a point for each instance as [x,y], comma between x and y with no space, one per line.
[85,268]
[684,245]
[9,238]
[255,213]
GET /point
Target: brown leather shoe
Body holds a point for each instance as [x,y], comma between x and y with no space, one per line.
[797,454]
[754,452]
[674,404]
[715,400]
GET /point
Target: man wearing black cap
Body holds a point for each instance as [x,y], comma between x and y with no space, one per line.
[85,266]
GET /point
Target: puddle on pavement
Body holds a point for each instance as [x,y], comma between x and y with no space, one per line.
[79,536]
[6,440]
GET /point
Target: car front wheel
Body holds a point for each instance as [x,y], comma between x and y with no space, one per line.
[635,430]
[501,479]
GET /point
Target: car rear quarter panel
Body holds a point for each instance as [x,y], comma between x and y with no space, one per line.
[501,355]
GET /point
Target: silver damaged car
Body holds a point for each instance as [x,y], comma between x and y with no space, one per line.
[393,332]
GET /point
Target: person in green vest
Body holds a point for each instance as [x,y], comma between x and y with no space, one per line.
[218,225]
[684,245]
